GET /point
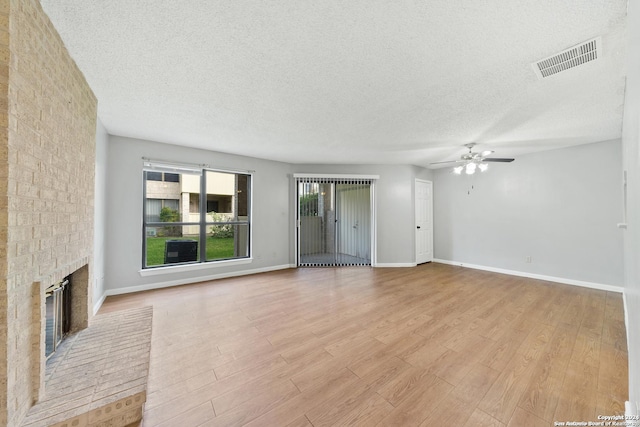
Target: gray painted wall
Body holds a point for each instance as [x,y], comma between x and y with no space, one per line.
[100,213]
[631,162]
[273,210]
[124,218]
[559,207]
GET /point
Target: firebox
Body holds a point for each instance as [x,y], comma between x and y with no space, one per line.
[58,314]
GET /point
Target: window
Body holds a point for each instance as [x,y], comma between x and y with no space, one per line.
[166,177]
[154,176]
[171,177]
[154,207]
[195,216]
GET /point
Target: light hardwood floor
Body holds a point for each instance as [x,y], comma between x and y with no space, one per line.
[434,345]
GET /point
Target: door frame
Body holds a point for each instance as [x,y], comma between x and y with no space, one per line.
[296,205]
[415,220]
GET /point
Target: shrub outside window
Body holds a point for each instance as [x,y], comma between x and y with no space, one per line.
[194,215]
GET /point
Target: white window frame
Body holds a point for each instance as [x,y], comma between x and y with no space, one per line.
[201,263]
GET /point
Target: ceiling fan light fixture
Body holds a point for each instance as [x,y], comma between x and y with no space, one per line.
[470,168]
[472,161]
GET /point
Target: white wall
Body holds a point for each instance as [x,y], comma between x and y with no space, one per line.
[270,223]
[631,163]
[100,215]
[394,206]
[559,207]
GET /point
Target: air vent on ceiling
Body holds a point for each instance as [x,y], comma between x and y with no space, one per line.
[569,58]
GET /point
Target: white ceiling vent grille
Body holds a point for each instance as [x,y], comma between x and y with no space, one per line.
[569,58]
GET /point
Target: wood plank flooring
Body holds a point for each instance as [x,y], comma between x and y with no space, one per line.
[424,346]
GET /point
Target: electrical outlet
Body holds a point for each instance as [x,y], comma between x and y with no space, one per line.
[528,258]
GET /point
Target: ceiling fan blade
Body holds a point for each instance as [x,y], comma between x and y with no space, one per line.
[450,161]
[497,159]
[486,153]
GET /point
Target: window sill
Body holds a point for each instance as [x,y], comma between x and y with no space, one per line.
[192,267]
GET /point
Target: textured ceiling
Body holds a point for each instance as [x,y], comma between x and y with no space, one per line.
[359,81]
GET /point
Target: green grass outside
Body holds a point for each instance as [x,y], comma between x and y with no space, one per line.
[217,248]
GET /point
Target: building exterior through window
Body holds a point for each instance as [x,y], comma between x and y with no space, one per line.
[199,215]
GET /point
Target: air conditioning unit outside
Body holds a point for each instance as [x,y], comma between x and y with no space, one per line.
[176,251]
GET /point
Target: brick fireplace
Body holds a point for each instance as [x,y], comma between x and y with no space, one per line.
[78,275]
[47,161]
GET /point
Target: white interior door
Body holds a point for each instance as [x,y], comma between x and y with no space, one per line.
[424,221]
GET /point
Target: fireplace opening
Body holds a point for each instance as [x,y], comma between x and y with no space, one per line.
[58,314]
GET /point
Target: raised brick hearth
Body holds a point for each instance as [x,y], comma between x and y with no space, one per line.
[98,376]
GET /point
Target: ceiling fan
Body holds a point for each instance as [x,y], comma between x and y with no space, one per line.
[472,161]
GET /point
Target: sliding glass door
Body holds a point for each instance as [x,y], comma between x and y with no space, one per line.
[334,222]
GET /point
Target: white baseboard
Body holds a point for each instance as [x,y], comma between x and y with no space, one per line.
[626,317]
[167,284]
[395,264]
[159,285]
[631,409]
[98,304]
[599,286]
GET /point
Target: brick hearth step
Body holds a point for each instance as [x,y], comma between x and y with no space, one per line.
[98,376]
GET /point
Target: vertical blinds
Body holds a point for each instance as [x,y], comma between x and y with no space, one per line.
[334,221]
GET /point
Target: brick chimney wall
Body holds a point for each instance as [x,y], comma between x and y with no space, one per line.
[47,158]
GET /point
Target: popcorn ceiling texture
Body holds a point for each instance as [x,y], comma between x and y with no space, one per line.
[47,151]
[333,81]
